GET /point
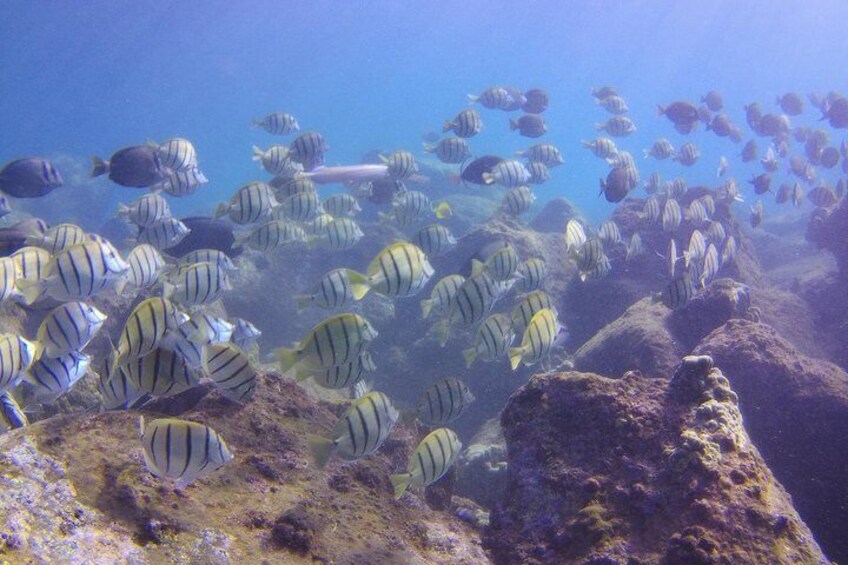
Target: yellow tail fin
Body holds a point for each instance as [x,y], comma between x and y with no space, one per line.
[400,482]
[470,355]
[443,210]
[303,301]
[426,307]
[30,289]
[286,357]
[321,448]
[477,267]
[359,285]
[515,354]
[221,210]
[443,331]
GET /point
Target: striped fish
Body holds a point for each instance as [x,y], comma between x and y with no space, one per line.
[651,210]
[697,248]
[57,238]
[167,233]
[145,263]
[287,187]
[177,153]
[116,390]
[51,377]
[729,250]
[709,204]
[332,291]
[278,123]
[671,257]
[251,203]
[517,200]
[69,327]
[539,173]
[208,256]
[492,339]
[300,207]
[198,332]
[181,450]
[451,150]
[528,307]
[8,275]
[599,271]
[654,183]
[635,248]
[444,402]
[12,415]
[472,301]
[711,266]
[270,235]
[494,98]
[716,233]
[273,159]
[308,149]
[360,431]
[601,147]
[671,216]
[145,328]
[401,164]
[508,173]
[160,373]
[318,225]
[231,371]
[433,457]
[546,153]
[661,149]
[31,264]
[434,240]
[589,254]
[441,297]
[341,204]
[16,355]
[539,336]
[399,270]
[80,271]
[145,211]
[609,233]
[341,234]
[575,236]
[410,206]
[180,183]
[501,264]
[197,284]
[678,292]
[334,341]
[340,376]
[696,213]
[617,126]
[245,334]
[531,274]
[467,123]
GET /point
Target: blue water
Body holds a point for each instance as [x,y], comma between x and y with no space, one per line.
[80,81]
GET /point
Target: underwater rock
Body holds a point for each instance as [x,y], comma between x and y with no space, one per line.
[638,470]
[554,216]
[482,466]
[76,490]
[828,228]
[794,408]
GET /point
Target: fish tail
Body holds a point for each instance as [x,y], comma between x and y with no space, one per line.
[600,126]
[447,126]
[488,178]
[400,482]
[286,357]
[221,210]
[660,110]
[30,289]
[513,125]
[646,153]
[429,148]
[359,284]
[477,267]
[99,166]
[258,154]
[443,210]
[515,354]
[443,331]
[472,98]
[303,301]
[121,284]
[470,355]
[321,448]
[426,307]
[301,375]
[240,239]
[168,290]
[123,210]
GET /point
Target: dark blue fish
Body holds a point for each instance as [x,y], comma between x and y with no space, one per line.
[137,166]
[29,178]
[473,171]
[15,237]
[206,233]
[537,101]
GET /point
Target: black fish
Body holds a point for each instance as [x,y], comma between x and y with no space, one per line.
[529,125]
[206,233]
[136,166]
[617,184]
[383,191]
[29,178]
[473,171]
[13,238]
[537,101]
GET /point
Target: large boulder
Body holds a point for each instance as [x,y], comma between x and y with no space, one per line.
[795,409]
[639,470]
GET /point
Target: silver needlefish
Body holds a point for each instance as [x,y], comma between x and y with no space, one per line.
[491,340]
[444,402]
[182,451]
[231,370]
[433,457]
[359,432]
[442,295]
[69,327]
[339,376]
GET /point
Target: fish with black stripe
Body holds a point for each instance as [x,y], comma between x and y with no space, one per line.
[8,275]
[12,415]
[145,211]
[69,327]
[340,376]
[181,450]
[399,270]
[401,164]
[341,204]
[472,301]
[538,339]
[433,457]
[518,200]
[251,203]
[332,291]
[273,159]
[278,123]
[546,153]
[672,215]
[167,233]
[360,431]
[337,340]
[192,336]
[116,389]
[441,297]
[208,256]
[176,153]
[410,206]
[145,264]
[245,334]
[81,271]
[531,274]
[181,183]
[341,234]
[491,340]
[508,173]
[467,123]
[270,235]
[51,377]
[16,355]
[678,293]
[145,329]
[57,238]
[308,149]
[502,264]
[31,264]
[231,370]
[528,307]
[451,150]
[444,402]
[197,284]
[434,240]
[300,207]
[160,373]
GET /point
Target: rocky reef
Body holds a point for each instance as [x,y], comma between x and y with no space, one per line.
[638,470]
[74,489]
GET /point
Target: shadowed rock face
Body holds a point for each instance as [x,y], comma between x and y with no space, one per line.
[794,407]
[639,470]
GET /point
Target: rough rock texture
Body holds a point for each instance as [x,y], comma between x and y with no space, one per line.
[795,408]
[640,470]
[74,489]
[553,218]
[481,472]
